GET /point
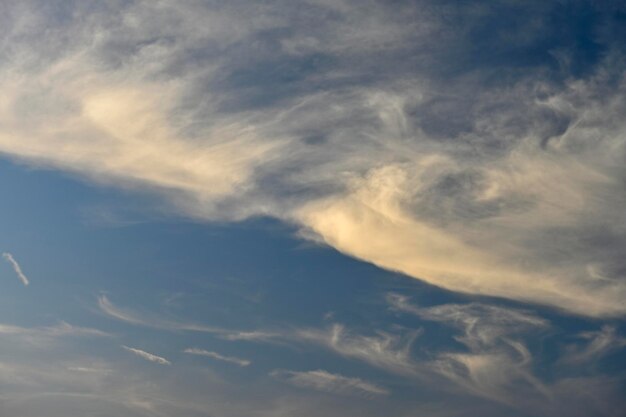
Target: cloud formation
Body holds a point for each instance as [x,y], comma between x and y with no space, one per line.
[37,336]
[132,317]
[325,381]
[599,343]
[217,356]
[384,350]
[497,363]
[364,126]
[147,356]
[17,268]
[155,321]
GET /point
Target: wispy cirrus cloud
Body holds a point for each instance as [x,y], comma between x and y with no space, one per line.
[16,267]
[38,336]
[151,320]
[325,381]
[435,160]
[155,321]
[147,356]
[496,364]
[217,356]
[343,150]
[388,351]
[598,344]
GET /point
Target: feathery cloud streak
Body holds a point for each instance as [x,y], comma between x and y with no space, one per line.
[17,268]
[147,356]
[497,364]
[60,330]
[154,321]
[325,381]
[215,355]
[511,189]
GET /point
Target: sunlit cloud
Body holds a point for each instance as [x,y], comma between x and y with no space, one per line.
[17,268]
[342,164]
[477,147]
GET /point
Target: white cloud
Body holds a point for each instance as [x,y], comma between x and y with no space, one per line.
[16,267]
[215,355]
[325,381]
[147,356]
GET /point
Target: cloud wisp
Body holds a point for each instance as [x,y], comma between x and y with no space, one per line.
[217,356]
[387,351]
[17,268]
[321,380]
[147,356]
[599,343]
[154,321]
[132,317]
[41,336]
[496,363]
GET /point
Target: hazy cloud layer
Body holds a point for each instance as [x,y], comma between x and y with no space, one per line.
[367,126]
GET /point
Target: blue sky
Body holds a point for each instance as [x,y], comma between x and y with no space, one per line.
[312,208]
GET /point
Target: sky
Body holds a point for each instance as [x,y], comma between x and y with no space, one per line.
[312,208]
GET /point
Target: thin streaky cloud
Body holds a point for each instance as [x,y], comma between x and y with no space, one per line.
[60,330]
[156,322]
[217,356]
[383,350]
[147,356]
[132,317]
[89,370]
[321,380]
[17,268]
[109,309]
